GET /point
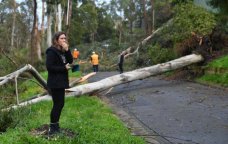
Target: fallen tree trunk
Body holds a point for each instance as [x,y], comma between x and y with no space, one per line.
[123,78]
[130,51]
[26,68]
[134,75]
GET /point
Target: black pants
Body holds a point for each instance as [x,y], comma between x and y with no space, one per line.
[120,67]
[58,98]
[95,68]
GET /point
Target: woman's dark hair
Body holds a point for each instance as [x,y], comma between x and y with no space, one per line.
[56,37]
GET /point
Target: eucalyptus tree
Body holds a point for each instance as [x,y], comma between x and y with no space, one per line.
[35,50]
[105,28]
[152,3]
[89,22]
[14,25]
[145,17]
[58,12]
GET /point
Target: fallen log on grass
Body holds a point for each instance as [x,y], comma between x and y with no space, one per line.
[26,68]
[124,78]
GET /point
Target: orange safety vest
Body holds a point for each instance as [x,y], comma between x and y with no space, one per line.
[94,59]
[75,54]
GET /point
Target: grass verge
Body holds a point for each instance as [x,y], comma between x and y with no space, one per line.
[87,116]
[216,77]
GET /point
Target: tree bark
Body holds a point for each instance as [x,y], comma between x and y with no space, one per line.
[146,25]
[117,79]
[59,17]
[49,35]
[134,75]
[152,15]
[33,49]
[26,68]
[13,24]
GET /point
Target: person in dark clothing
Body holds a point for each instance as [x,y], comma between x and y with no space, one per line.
[58,60]
[120,62]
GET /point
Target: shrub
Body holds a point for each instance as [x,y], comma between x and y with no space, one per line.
[160,55]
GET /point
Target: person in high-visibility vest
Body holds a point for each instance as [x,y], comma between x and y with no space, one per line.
[94,59]
[75,54]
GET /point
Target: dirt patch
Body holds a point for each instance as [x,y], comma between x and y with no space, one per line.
[42,131]
[182,74]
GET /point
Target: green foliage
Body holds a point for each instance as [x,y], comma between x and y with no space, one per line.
[220,78]
[105,28]
[219,63]
[11,118]
[188,18]
[160,55]
[87,116]
[222,7]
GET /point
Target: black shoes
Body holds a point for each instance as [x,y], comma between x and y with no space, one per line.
[53,129]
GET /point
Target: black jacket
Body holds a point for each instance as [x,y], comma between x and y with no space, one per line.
[57,72]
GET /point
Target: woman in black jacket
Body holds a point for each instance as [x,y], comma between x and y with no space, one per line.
[58,63]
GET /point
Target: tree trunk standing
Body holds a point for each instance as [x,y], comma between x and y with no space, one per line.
[42,24]
[42,21]
[38,44]
[69,14]
[134,75]
[49,34]
[13,25]
[33,50]
[120,37]
[59,17]
[119,28]
[146,26]
[152,15]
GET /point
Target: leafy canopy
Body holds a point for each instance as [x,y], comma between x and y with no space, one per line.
[189,17]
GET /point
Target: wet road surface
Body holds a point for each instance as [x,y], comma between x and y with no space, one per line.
[174,112]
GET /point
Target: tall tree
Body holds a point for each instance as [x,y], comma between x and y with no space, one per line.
[152,15]
[34,36]
[145,17]
[13,25]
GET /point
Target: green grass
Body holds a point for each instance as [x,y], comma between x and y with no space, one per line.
[219,63]
[88,116]
[217,78]
[214,79]
[31,87]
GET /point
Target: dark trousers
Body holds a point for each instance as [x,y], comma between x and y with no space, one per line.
[58,98]
[120,68]
[95,68]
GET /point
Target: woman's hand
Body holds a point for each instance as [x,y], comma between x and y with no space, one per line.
[65,46]
[68,66]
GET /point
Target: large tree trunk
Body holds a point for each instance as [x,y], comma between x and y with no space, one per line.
[59,17]
[135,75]
[122,78]
[13,24]
[26,68]
[152,15]
[34,42]
[68,17]
[49,34]
[146,25]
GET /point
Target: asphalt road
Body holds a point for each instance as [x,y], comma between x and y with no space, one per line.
[174,112]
